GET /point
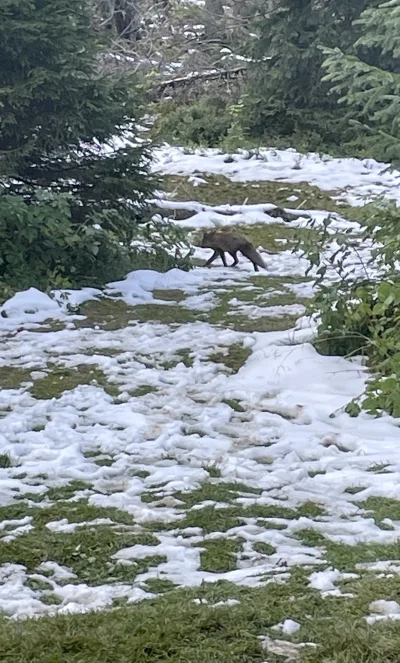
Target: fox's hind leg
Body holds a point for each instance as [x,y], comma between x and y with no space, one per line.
[235,258]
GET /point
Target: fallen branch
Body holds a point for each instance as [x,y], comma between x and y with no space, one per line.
[184,81]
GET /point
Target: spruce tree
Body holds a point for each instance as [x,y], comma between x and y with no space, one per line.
[368,82]
[286,95]
[56,108]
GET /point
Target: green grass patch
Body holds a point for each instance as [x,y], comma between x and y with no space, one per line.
[311,537]
[213,471]
[166,314]
[159,585]
[61,379]
[233,357]
[219,555]
[108,314]
[37,584]
[105,461]
[49,598]
[234,404]
[142,474]
[353,490]
[174,628]
[11,377]
[87,551]
[169,295]
[65,492]
[218,492]
[184,356]
[221,519]
[379,468]
[75,512]
[315,473]
[102,352]
[225,315]
[264,548]
[143,390]
[380,508]
[5,461]
[220,189]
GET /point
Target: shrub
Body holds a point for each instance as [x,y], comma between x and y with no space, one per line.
[42,246]
[205,122]
[360,313]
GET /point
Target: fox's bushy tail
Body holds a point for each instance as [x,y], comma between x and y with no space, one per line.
[254,256]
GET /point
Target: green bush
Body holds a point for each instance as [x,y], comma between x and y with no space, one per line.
[42,246]
[360,314]
[204,122]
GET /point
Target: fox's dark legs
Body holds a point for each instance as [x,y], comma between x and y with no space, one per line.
[235,258]
[213,257]
[217,252]
[222,254]
[255,267]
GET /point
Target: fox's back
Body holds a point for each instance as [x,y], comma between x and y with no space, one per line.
[229,242]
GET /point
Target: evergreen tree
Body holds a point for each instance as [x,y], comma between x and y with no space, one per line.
[286,94]
[56,109]
[369,82]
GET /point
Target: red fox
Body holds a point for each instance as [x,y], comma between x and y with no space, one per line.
[227,242]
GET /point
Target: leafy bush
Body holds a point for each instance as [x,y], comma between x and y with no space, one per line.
[205,122]
[42,246]
[360,313]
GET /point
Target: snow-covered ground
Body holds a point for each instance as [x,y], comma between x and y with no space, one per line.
[354,180]
[153,419]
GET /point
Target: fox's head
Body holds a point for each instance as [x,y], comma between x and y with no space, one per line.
[206,239]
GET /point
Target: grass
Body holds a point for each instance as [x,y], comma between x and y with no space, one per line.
[218,492]
[220,189]
[143,390]
[234,404]
[353,490]
[264,548]
[87,551]
[346,557]
[11,377]
[175,628]
[159,585]
[233,357]
[61,379]
[380,508]
[379,468]
[269,236]
[5,461]
[76,512]
[219,555]
[169,295]
[65,492]
[169,315]
[184,356]
[107,314]
[213,519]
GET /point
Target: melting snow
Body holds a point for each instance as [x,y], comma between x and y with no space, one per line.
[292,400]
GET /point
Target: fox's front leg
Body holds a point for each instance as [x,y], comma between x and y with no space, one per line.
[222,254]
[213,257]
[235,258]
